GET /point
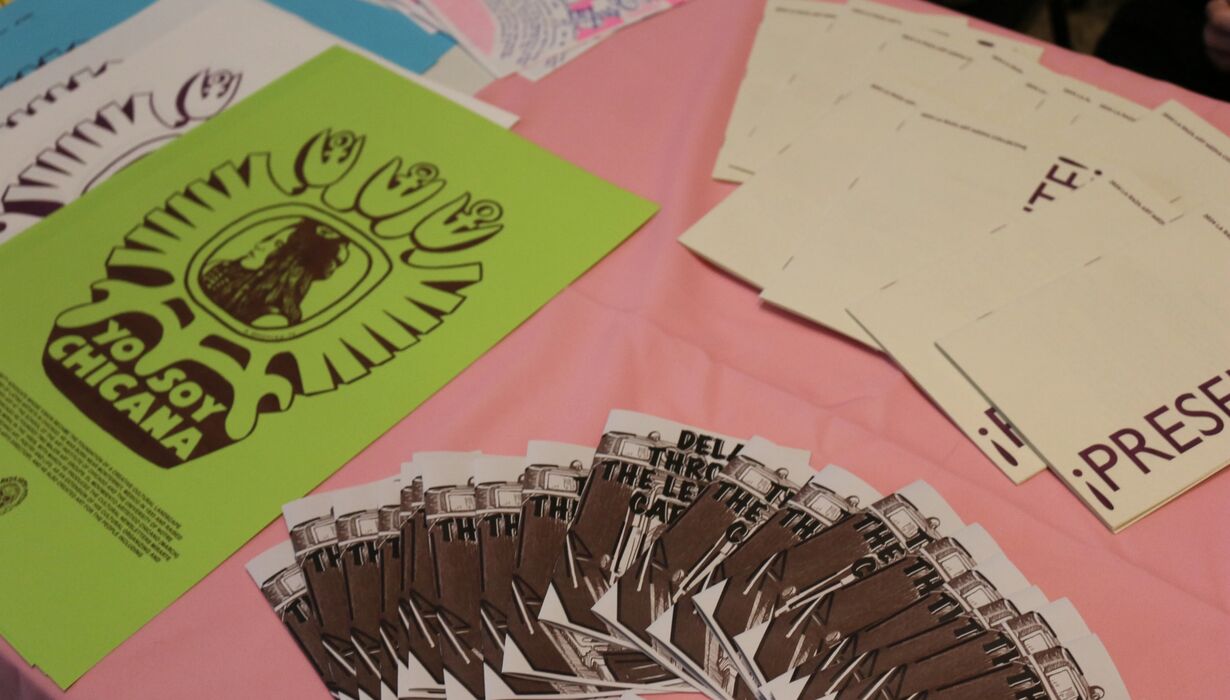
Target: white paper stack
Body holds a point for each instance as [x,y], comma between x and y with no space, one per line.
[530,38]
[927,189]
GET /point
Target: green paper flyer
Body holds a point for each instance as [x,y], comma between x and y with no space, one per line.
[216,329]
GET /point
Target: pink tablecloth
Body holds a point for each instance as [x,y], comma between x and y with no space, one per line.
[652,328]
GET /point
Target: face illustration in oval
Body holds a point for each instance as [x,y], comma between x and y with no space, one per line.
[265,287]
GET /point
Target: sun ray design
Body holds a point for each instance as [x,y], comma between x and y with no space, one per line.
[269,290]
[56,93]
[118,134]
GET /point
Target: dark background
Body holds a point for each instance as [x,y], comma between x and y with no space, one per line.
[1086,19]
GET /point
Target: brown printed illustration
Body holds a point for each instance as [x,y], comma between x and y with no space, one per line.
[358,514]
[963,607]
[643,479]
[855,546]
[809,620]
[284,586]
[499,531]
[743,496]
[723,616]
[1022,657]
[420,594]
[551,487]
[118,135]
[313,534]
[452,529]
[242,294]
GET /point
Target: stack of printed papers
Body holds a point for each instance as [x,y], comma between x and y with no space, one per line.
[460,44]
[45,44]
[527,37]
[667,558]
[907,178]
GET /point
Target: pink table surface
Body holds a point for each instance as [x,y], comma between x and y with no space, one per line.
[652,328]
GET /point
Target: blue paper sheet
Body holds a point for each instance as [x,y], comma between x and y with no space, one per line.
[34,32]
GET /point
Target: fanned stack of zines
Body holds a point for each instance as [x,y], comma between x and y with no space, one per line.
[671,558]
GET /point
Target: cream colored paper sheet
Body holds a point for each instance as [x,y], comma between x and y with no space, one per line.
[910,57]
[1117,373]
[754,230]
[786,30]
[869,41]
[907,317]
[942,181]
[830,65]
[1175,152]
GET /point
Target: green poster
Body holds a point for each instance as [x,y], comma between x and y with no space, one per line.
[213,331]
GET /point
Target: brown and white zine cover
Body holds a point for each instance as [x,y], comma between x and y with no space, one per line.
[551,487]
[995,658]
[810,617]
[857,544]
[688,630]
[971,602]
[282,582]
[388,553]
[313,535]
[743,496]
[422,674]
[357,517]
[458,517]
[646,472]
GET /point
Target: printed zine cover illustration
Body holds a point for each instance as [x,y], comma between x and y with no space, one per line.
[358,514]
[207,64]
[284,586]
[972,652]
[846,545]
[466,526]
[313,537]
[817,596]
[387,554]
[208,350]
[692,637]
[808,620]
[969,602]
[748,490]
[646,472]
[421,673]
[551,486]
[1024,657]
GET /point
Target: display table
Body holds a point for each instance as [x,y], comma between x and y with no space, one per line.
[652,328]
